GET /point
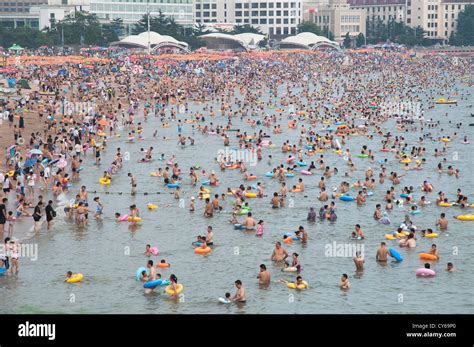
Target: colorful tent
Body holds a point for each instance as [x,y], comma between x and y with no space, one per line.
[16,47]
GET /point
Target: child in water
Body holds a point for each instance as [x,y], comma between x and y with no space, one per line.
[227,299]
[68,275]
[259,228]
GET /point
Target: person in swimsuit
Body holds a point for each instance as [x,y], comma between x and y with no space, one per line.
[99,208]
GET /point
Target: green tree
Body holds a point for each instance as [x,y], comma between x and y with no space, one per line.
[347,41]
[452,39]
[25,37]
[263,43]
[109,34]
[200,29]
[118,27]
[309,27]
[246,28]
[81,28]
[360,40]
[464,35]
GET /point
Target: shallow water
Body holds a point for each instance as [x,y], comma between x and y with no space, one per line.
[108,253]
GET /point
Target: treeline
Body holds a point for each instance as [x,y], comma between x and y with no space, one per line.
[85,29]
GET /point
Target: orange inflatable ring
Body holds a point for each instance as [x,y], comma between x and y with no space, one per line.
[163,265]
[202,250]
[427,256]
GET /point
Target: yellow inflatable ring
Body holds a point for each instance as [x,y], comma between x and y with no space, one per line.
[10,173]
[302,286]
[389,237]
[405,161]
[444,139]
[250,195]
[152,206]
[431,236]
[445,204]
[170,291]
[104,181]
[76,278]
[465,217]
[135,220]
[430,189]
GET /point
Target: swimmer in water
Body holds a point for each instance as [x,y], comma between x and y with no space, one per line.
[382,253]
[344,284]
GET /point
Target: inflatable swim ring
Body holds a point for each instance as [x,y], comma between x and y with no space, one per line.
[151,206]
[75,278]
[427,256]
[394,254]
[202,250]
[156,283]
[138,274]
[346,198]
[302,286]
[425,273]
[104,181]
[123,218]
[179,289]
[465,217]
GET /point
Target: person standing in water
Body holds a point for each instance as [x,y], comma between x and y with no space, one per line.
[133,183]
[240,293]
[263,276]
[382,253]
[359,261]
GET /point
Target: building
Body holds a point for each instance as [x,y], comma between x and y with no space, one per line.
[154,40]
[275,18]
[57,10]
[307,41]
[240,42]
[131,11]
[16,13]
[338,18]
[437,17]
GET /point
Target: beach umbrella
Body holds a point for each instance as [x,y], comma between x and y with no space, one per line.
[29,163]
[102,122]
[61,164]
[53,162]
[36,151]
